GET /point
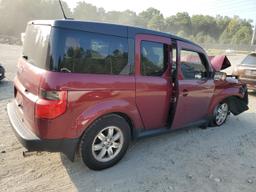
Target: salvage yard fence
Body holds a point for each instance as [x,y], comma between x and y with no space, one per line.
[229,47]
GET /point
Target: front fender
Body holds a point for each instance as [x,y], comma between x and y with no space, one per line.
[236,96]
[87,117]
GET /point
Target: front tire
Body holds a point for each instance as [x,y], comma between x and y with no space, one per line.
[105,142]
[220,114]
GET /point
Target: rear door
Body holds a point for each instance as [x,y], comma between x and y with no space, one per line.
[153,87]
[195,85]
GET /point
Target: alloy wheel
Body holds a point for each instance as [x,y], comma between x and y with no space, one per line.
[221,113]
[107,144]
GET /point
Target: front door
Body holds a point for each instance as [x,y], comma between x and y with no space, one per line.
[152,72]
[195,85]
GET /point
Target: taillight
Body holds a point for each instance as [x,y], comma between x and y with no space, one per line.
[51,104]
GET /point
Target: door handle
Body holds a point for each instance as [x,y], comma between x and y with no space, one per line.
[185,92]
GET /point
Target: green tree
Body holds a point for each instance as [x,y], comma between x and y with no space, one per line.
[222,23]
[112,16]
[85,11]
[16,13]
[179,22]
[151,18]
[235,31]
[242,36]
[201,28]
[204,24]
[125,17]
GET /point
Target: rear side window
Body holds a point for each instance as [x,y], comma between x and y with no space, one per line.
[85,52]
[152,58]
[192,66]
[250,60]
[36,44]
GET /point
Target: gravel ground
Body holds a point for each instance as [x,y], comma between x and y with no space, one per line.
[215,159]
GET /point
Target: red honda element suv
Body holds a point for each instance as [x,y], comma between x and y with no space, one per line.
[92,87]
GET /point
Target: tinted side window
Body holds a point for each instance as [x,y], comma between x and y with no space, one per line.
[84,52]
[192,66]
[152,59]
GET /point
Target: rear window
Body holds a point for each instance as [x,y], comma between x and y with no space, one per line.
[250,60]
[85,52]
[36,43]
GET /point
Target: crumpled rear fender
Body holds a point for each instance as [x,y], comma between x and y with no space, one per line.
[237,105]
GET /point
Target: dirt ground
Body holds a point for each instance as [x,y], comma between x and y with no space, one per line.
[212,160]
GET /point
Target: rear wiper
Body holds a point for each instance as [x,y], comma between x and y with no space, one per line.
[25,57]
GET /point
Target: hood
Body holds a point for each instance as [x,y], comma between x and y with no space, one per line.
[219,62]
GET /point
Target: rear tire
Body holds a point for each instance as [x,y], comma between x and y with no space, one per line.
[105,142]
[220,114]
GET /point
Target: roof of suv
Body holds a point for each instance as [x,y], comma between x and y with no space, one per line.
[106,28]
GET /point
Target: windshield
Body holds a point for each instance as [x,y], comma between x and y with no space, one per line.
[36,44]
[250,59]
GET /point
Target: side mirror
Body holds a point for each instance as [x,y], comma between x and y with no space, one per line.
[220,75]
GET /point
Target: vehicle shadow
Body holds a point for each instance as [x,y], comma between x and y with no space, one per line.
[135,160]
[6,89]
[155,163]
[252,93]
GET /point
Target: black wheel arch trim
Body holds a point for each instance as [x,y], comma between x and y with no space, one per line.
[238,105]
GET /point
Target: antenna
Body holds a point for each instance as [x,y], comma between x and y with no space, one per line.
[62,10]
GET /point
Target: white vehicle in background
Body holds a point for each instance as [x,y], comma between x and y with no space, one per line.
[229,51]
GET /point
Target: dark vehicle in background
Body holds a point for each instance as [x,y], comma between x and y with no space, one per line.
[246,71]
[2,72]
[92,87]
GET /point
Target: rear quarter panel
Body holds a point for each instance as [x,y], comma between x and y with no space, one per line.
[89,97]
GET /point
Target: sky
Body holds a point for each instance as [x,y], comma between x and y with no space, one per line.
[243,8]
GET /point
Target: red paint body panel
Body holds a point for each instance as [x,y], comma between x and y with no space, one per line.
[223,90]
[27,83]
[194,106]
[144,100]
[152,93]
[89,97]
[60,89]
[194,96]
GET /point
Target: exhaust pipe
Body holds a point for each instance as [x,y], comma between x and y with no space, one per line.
[29,153]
